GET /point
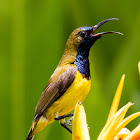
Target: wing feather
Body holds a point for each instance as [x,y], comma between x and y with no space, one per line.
[59,82]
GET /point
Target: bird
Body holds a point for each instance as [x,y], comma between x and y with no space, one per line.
[70,81]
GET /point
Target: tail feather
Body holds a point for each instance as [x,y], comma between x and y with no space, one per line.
[29,135]
[37,125]
[30,138]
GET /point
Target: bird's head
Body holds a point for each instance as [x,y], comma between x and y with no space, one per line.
[83,38]
[87,36]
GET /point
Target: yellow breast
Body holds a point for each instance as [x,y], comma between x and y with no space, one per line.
[66,103]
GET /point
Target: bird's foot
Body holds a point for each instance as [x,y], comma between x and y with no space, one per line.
[69,121]
[62,120]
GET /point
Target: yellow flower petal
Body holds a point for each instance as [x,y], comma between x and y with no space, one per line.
[135,134]
[125,122]
[79,125]
[116,99]
[108,131]
[122,134]
[139,67]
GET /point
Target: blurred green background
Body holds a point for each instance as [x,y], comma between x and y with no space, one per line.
[32,39]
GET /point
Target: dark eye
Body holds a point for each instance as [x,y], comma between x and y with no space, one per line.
[83,34]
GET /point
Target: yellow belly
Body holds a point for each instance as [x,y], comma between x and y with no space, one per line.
[66,103]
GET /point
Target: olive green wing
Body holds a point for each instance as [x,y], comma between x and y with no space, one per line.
[59,82]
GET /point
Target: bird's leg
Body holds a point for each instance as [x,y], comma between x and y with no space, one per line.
[62,122]
[69,120]
[57,117]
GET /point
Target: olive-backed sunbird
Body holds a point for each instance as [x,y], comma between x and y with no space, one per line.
[70,82]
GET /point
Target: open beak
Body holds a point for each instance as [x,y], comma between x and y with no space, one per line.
[100,24]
